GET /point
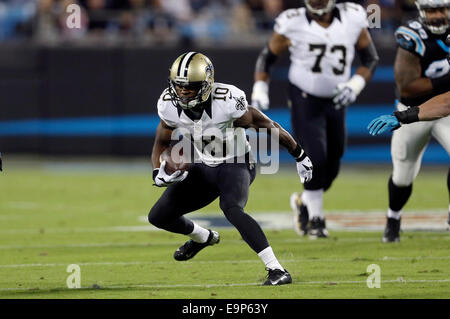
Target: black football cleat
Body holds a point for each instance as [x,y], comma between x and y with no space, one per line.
[301,215]
[277,277]
[191,248]
[317,228]
[392,231]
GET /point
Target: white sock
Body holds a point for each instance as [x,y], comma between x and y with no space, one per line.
[199,234]
[269,259]
[395,215]
[314,202]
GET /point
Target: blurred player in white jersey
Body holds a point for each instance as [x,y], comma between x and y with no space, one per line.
[322,39]
[205,112]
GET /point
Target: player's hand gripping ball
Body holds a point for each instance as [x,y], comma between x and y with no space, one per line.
[175,160]
[174,167]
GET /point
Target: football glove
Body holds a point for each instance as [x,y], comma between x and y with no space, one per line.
[162,179]
[383,123]
[260,95]
[304,168]
[347,92]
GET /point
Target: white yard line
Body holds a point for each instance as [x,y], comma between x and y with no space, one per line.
[126,263]
[173,243]
[300,283]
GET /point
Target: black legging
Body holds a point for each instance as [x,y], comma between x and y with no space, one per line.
[321,131]
[230,182]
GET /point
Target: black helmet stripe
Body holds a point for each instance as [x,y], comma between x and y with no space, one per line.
[179,65]
[184,64]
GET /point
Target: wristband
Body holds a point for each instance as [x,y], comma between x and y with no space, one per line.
[298,153]
[410,115]
[357,83]
[261,85]
[155,173]
[441,83]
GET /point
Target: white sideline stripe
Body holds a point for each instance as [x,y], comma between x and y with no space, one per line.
[374,221]
[401,281]
[125,263]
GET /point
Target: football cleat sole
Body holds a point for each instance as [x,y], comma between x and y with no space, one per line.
[295,203]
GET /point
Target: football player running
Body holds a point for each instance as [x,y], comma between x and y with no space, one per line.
[322,39]
[427,74]
[195,103]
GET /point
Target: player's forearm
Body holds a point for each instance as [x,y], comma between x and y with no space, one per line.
[369,58]
[365,73]
[162,141]
[435,108]
[286,140]
[156,153]
[266,59]
[256,119]
[261,76]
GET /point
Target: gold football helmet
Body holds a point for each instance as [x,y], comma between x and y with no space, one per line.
[192,71]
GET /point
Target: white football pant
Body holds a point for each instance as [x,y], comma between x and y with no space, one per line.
[408,145]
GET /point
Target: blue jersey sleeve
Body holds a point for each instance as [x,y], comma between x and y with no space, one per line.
[410,40]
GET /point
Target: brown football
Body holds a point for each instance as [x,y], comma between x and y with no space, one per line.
[174,160]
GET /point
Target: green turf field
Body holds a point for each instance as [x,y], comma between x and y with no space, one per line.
[51,218]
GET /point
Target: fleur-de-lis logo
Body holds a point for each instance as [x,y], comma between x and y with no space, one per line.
[209,70]
[240,103]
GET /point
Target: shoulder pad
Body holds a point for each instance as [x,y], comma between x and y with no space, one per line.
[285,19]
[410,40]
[231,99]
[166,109]
[354,12]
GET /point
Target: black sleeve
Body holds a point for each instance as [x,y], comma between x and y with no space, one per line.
[369,57]
[265,60]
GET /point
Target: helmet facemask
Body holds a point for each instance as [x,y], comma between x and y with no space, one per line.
[436,25]
[186,102]
[320,7]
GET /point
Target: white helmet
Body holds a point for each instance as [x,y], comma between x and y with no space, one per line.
[320,7]
[436,26]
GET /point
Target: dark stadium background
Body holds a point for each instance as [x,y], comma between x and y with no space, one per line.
[96,93]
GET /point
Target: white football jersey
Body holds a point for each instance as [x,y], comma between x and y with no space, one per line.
[321,57]
[214,137]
